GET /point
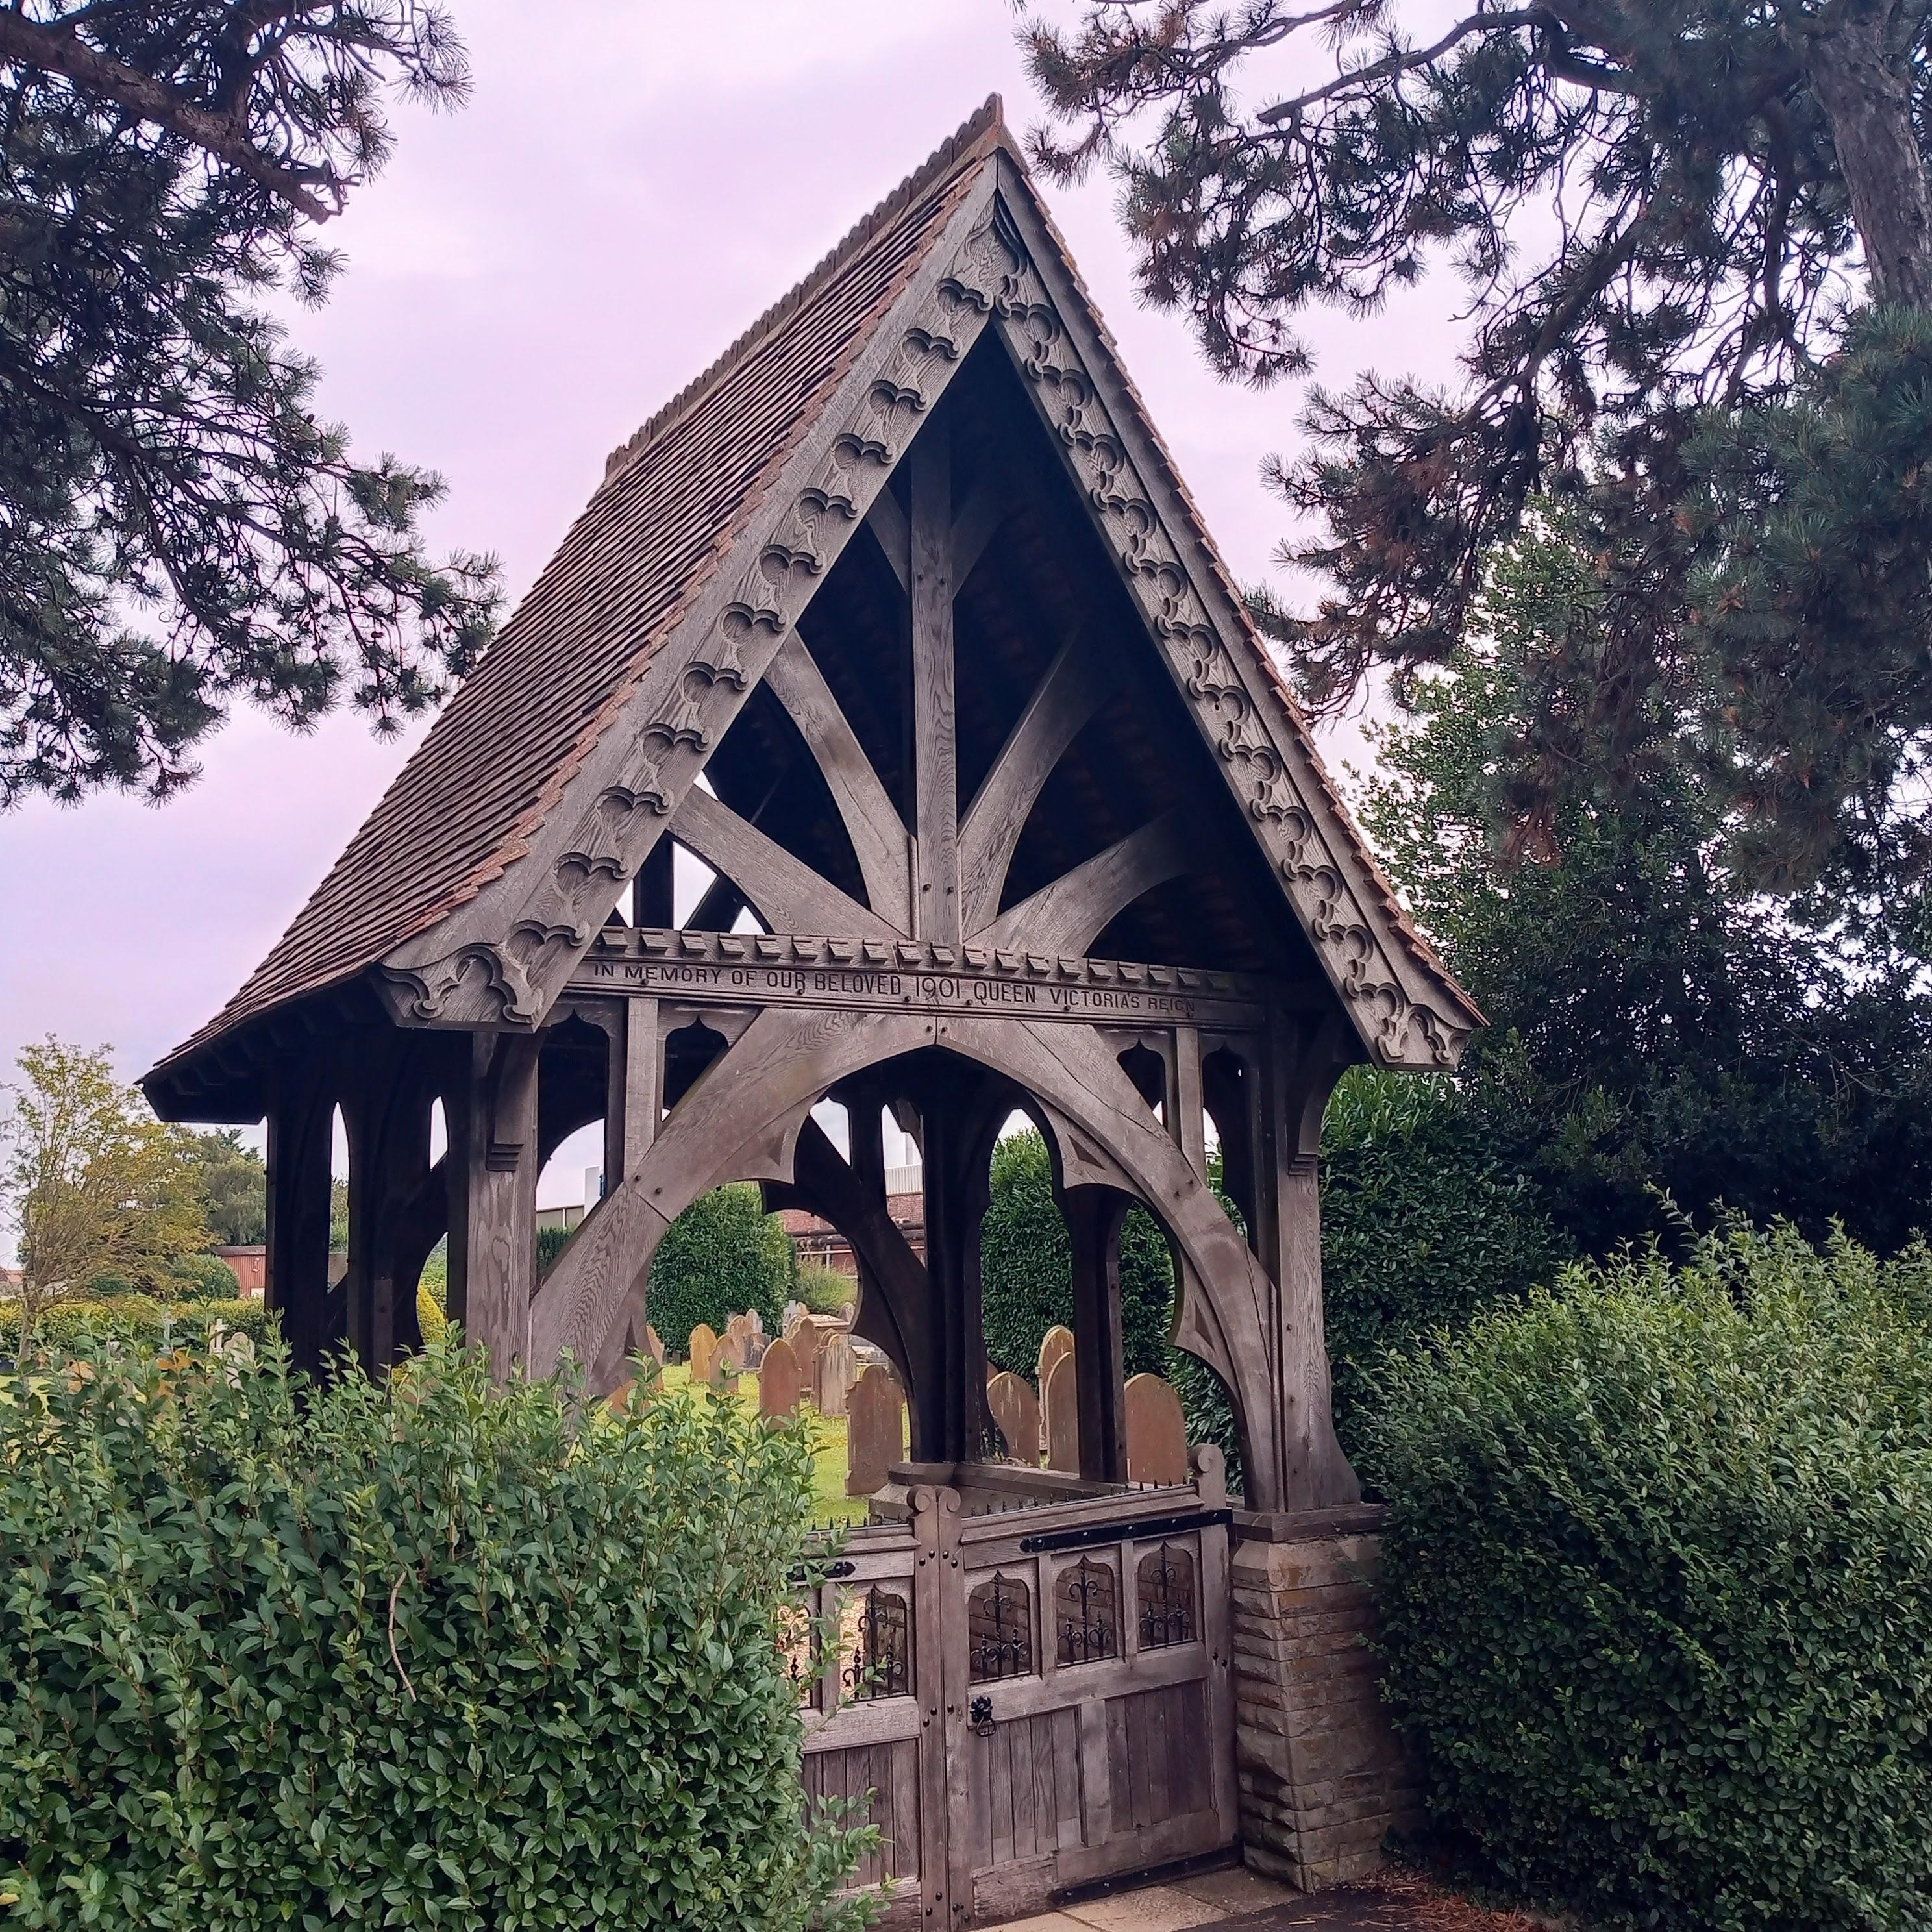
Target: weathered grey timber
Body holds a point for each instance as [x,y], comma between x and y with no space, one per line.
[899,619]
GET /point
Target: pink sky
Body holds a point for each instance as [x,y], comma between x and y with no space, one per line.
[630,187]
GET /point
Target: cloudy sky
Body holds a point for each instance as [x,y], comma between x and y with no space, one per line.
[631,184]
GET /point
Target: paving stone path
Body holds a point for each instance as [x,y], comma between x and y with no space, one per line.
[1239,1901]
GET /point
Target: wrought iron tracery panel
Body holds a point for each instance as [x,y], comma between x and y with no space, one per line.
[875,1643]
[999,1630]
[1086,1604]
[1166,1586]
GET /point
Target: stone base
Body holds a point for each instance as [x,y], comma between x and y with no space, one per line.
[1323,1778]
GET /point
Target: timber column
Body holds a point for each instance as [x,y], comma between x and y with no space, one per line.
[1324,1777]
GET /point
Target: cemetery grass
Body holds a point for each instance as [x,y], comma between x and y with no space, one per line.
[829,1502]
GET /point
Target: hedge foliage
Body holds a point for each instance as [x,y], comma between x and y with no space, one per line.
[134,1322]
[409,1654]
[723,1256]
[1423,1224]
[1657,1584]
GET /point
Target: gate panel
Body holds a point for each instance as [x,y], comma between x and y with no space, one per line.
[1034,1698]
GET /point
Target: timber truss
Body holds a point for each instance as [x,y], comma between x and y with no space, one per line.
[1002,809]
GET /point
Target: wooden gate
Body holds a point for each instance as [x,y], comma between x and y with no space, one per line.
[1038,1693]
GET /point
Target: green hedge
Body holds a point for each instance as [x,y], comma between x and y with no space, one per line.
[133,1320]
[723,1256]
[1657,1584]
[1026,1268]
[413,1654]
[1423,1224]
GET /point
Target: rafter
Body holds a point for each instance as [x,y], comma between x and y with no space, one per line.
[1069,915]
[1076,684]
[872,821]
[788,894]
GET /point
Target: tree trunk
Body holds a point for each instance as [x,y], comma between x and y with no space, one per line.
[1866,95]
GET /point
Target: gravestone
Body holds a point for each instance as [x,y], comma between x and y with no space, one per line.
[653,1347]
[702,1350]
[1015,1411]
[737,1331]
[1063,1416]
[876,1439]
[728,1361]
[833,1373]
[1054,1343]
[1156,1432]
[804,1339]
[795,1312]
[777,1380]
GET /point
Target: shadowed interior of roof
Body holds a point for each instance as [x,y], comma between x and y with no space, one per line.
[1043,574]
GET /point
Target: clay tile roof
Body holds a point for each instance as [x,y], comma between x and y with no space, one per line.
[672,499]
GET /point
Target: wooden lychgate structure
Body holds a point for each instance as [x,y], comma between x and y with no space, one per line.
[900,622]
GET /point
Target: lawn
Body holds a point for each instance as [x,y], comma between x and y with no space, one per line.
[829,1502]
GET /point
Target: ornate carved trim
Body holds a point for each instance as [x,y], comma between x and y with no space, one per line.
[552,900]
[914,955]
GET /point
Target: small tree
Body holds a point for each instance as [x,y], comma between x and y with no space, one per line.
[724,1255]
[97,1185]
[235,1181]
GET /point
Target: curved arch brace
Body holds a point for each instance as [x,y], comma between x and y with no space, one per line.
[777,1069]
[1069,915]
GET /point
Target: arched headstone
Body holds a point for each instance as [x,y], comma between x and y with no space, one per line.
[653,1347]
[777,1380]
[877,1438]
[1063,1416]
[1156,1432]
[702,1350]
[832,1372]
[804,1339]
[1054,1343]
[1015,1410]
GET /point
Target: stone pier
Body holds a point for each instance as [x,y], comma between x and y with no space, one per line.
[1323,1777]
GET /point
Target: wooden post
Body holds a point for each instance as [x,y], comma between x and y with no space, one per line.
[498,1153]
[1304,1064]
[301,1123]
[935,907]
[1093,1217]
[387,1115]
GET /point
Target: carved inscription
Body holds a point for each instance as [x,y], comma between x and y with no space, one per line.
[914,992]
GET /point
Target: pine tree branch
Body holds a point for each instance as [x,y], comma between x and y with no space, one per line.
[1405,61]
[60,51]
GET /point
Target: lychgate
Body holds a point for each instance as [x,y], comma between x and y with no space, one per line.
[900,621]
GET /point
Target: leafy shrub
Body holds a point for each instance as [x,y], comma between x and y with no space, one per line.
[136,1322]
[415,1654]
[723,1256]
[201,1278]
[1657,1584]
[1422,1225]
[823,1290]
[551,1242]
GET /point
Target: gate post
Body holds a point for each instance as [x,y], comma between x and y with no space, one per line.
[939,1682]
[1324,1777]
